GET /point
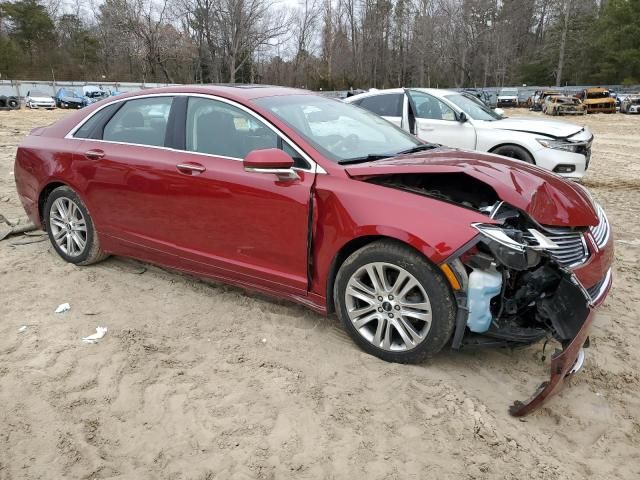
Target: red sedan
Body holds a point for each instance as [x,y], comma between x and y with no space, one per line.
[413,245]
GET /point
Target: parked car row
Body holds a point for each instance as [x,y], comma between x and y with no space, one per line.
[589,100]
[415,246]
[65,97]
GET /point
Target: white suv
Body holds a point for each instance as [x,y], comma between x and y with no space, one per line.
[459,120]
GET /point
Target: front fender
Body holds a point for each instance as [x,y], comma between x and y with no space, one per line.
[346,209]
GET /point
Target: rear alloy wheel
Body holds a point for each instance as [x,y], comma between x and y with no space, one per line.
[71,229]
[514,151]
[394,303]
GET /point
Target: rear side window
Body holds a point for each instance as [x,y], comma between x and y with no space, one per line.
[143,122]
[389,105]
[88,129]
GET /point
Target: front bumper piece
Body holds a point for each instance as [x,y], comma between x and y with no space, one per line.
[566,362]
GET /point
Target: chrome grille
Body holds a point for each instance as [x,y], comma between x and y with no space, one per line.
[572,246]
[601,231]
[596,291]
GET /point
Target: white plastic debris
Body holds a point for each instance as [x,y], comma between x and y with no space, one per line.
[22,328]
[100,332]
[264,340]
[63,307]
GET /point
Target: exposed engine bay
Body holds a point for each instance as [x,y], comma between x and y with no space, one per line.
[517,287]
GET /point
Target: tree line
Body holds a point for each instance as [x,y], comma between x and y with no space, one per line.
[328,44]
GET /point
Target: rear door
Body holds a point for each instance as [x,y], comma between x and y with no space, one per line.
[127,168]
[387,105]
[437,122]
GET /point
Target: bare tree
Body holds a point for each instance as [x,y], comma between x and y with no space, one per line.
[245,25]
[567,4]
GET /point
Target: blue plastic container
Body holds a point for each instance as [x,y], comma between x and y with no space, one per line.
[483,286]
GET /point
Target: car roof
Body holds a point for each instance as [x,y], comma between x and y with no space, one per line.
[239,92]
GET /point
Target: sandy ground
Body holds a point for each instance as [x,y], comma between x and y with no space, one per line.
[199,381]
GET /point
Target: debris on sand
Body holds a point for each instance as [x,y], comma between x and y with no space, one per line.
[63,307]
[8,228]
[100,332]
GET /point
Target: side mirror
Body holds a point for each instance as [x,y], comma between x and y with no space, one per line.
[273,161]
[462,117]
[499,111]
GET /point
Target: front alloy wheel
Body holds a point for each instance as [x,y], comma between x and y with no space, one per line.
[388,306]
[394,303]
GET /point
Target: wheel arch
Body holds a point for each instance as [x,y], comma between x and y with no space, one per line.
[514,144]
[42,198]
[348,249]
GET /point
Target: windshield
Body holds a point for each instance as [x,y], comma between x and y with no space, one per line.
[338,130]
[598,95]
[474,109]
[509,91]
[38,93]
[70,93]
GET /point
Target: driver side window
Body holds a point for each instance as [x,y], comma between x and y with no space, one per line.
[429,107]
[218,128]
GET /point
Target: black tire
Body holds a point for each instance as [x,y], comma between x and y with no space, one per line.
[13,102]
[440,297]
[514,151]
[91,253]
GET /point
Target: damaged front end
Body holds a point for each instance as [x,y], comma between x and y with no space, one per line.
[516,278]
[521,290]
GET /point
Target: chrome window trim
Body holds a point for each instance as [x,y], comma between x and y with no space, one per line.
[314,166]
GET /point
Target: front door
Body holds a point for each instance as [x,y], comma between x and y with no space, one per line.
[436,122]
[250,227]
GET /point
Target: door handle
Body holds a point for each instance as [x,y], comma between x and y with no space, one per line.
[96,154]
[190,168]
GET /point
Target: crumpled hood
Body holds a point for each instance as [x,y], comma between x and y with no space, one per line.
[547,198]
[552,128]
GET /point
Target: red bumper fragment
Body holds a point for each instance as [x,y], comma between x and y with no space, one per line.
[561,364]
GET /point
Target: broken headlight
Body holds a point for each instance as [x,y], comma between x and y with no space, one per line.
[509,247]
